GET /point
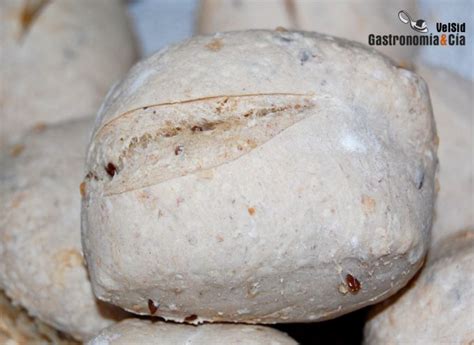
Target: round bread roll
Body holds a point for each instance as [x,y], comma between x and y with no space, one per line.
[17,328]
[438,306]
[41,262]
[452,108]
[259,177]
[354,20]
[141,332]
[59,58]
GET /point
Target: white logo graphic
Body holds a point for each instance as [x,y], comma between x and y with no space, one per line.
[419,25]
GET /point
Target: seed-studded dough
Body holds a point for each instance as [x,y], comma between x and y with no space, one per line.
[453,110]
[58,59]
[41,261]
[141,332]
[438,306]
[259,177]
[355,19]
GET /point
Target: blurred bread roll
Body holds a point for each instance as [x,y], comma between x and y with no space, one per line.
[452,100]
[353,20]
[41,261]
[58,59]
[18,328]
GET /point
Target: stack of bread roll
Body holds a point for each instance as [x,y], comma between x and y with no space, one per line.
[229,182]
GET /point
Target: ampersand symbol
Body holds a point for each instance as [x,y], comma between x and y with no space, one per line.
[443,40]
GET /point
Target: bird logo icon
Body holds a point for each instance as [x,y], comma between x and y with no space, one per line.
[418,26]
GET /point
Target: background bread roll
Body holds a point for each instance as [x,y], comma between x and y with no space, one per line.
[259,177]
[354,20]
[59,58]
[453,107]
[437,307]
[142,332]
[18,328]
[41,262]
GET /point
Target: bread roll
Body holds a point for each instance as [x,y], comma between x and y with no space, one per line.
[355,19]
[58,59]
[17,328]
[41,262]
[451,96]
[259,177]
[141,332]
[437,307]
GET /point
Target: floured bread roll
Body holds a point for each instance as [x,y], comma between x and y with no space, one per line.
[453,110]
[41,263]
[141,332]
[354,20]
[259,177]
[59,58]
[18,328]
[438,306]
